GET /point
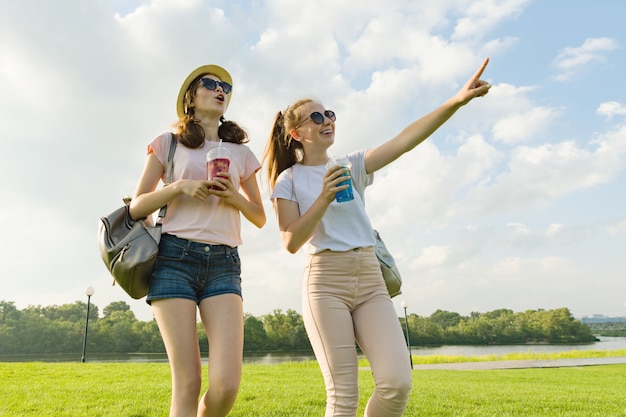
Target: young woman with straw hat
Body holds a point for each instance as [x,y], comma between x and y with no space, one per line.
[198,268]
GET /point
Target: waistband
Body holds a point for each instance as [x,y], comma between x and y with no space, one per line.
[360,249]
[194,246]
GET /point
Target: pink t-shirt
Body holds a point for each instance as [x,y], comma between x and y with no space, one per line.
[210,221]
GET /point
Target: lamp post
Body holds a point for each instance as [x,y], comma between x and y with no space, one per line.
[89,292]
[406,327]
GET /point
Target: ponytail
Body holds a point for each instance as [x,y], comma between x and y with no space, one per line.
[282,150]
[230,131]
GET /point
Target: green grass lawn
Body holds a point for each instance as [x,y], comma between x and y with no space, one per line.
[297,389]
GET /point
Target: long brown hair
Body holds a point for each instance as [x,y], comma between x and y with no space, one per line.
[192,135]
[282,150]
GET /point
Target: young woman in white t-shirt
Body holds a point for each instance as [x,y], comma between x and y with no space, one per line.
[344,297]
[198,267]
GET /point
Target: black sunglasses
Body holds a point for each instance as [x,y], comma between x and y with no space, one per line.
[211,84]
[318,118]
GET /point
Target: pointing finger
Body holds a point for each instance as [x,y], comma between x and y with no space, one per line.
[481,69]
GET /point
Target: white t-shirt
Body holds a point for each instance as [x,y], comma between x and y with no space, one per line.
[210,221]
[345,226]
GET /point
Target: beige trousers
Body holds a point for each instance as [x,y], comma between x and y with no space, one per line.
[345,300]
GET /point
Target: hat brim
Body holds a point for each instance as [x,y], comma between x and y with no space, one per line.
[216,70]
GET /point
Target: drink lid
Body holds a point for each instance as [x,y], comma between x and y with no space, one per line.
[218,152]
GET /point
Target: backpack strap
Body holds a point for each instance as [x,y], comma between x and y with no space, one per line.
[168,176]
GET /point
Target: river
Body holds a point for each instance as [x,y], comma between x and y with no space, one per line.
[604,343]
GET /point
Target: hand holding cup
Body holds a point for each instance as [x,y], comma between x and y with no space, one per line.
[347,194]
[217,160]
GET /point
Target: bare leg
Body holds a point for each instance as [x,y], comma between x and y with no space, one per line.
[222,317]
[176,318]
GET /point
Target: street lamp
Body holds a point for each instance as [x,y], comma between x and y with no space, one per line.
[406,327]
[89,292]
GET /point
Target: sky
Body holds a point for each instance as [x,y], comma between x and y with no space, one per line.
[517,202]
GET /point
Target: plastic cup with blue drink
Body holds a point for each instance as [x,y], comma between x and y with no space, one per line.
[347,194]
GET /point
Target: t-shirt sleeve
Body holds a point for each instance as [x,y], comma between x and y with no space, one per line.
[360,178]
[251,164]
[160,146]
[284,187]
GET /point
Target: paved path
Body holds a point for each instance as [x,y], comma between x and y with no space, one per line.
[521,364]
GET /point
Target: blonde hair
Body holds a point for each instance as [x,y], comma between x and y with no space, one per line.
[282,150]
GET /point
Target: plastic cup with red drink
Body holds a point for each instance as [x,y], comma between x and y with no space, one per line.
[217,160]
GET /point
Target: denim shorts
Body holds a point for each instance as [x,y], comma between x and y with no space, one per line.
[194,270]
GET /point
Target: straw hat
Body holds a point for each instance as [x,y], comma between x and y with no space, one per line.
[216,70]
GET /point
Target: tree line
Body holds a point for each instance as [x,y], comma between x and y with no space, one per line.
[61,329]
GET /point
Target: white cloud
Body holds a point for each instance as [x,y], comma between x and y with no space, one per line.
[554,229]
[431,257]
[610,109]
[537,175]
[571,59]
[516,118]
[617,227]
[482,15]
[523,126]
